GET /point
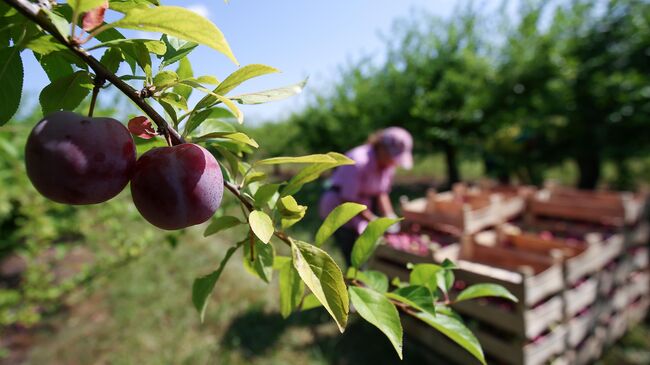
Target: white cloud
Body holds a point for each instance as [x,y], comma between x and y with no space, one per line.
[200,9]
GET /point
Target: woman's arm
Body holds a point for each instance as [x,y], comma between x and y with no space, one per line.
[385,206]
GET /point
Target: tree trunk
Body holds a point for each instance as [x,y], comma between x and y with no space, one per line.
[589,165]
[452,165]
[495,170]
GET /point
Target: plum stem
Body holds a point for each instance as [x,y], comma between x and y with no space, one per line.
[34,13]
[98,83]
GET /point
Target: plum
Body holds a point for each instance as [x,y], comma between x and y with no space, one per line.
[177,187]
[73,159]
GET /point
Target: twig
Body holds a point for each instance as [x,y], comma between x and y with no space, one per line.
[98,84]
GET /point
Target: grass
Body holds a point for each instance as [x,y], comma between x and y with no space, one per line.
[143,314]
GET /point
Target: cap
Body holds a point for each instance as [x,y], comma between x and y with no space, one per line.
[399,144]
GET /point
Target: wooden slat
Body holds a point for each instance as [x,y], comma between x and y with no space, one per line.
[581,297]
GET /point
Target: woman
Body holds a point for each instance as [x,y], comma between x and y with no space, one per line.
[367,182]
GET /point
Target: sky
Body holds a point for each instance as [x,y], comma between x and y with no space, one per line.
[302,38]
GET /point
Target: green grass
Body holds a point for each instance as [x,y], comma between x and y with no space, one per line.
[143,314]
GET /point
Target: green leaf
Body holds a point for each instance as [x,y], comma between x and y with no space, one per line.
[123,6]
[289,206]
[210,80]
[261,225]
[203,286]
[310,302]
[318,158]
[165,78]
[184,71]
[54,65]
[176,50]
[417,296]
[237,136]
[425,275]
[11,79]
[380,312]
[81,6]
[242,74]
[112,59]
[222,99]
[59,22]
[254,177]
[455,330]
[151,45]
[337,218]
[196,119]
[45,44]
[291,289]
[324,278]
[173,99]
[375,280]
[221,223]
[66,93]
[312,172]
[366,244]
[261,264]
[264,195]
[445,280]
[178,22]
[266,96]
[169,109]
[485,290]
[291,212]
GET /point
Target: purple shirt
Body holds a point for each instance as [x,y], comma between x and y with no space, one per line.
[359,183]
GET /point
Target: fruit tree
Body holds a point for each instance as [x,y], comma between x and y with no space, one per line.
[84,159]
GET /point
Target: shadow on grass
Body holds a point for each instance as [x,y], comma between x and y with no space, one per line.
[255,333]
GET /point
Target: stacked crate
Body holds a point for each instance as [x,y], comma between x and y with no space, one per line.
[577,262]
[613,222]
[583,260]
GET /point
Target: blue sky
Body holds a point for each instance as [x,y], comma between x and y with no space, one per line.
[302,38]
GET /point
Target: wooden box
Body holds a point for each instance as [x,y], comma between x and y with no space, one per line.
[602,207]
[462,211]
[497,349]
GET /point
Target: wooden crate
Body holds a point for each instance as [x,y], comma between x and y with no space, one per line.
[637,311]
[535,280]
[581,297]
[638,286]
[640,257]
[581,258]
[539,352]
[638,235]
[602,207]
[464,212]
[590,349]
[615,328]
[531,278]
[497,349]
[579,327]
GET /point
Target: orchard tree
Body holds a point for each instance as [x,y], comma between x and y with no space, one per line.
[85,159]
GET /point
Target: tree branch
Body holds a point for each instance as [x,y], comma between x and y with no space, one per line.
[34,13]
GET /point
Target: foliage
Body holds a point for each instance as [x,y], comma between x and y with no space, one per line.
[557,81]
[267,209]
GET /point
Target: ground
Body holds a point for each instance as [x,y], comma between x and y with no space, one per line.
[142,314]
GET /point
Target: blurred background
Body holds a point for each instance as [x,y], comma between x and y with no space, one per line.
[516,91]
